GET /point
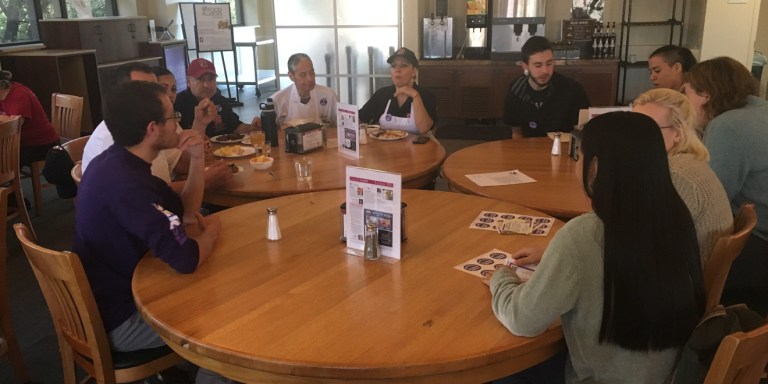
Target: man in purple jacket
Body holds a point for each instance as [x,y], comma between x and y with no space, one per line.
[130,212]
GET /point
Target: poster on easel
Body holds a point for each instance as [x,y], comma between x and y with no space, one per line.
[214,27]
[373,196]
[348,130]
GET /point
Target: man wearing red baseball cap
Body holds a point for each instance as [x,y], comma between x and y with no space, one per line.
[201,80]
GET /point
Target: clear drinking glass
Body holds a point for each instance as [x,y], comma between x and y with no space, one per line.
[303,169]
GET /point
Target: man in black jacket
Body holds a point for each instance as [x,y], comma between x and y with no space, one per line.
[541,100]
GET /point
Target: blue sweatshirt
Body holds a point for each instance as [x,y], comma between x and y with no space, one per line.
[123,212]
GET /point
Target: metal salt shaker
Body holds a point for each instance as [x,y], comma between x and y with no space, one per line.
[273,227]
[556,145]
[371,249]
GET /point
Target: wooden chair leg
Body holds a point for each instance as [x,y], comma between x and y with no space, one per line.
[36,172]
[14,352]
[23,213]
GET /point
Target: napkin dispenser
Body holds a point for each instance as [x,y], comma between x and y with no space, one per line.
[303,138]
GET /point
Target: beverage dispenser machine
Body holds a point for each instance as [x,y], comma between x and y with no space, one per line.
[476,41]
[513,22]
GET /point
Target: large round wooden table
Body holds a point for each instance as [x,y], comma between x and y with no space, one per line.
[558,188]
[418,165]
[301,310]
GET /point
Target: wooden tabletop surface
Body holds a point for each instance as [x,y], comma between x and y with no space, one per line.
[417,163]
[301,310]
[558,188]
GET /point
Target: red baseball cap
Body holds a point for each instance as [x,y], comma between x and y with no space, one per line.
[199,67]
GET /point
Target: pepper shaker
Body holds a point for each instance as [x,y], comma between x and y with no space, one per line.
[556,145]
[273,227]
[371,249]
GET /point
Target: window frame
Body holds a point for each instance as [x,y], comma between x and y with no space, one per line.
[38,11]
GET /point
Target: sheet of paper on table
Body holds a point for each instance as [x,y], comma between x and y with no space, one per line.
[485,264]
[500,178]
[493,221]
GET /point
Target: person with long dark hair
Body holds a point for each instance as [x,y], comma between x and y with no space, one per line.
[625,280]
[735,122]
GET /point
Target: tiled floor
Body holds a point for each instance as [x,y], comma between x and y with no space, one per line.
[55,229]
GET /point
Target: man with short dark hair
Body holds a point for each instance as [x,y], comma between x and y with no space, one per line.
[304,99]
[169,162]
[130,211]
[201,84]
[542,100]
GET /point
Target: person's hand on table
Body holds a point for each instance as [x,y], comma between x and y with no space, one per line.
[487,280]
[528,255]
[217,175]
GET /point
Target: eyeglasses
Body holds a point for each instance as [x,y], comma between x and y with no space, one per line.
[668,126]
[176,116]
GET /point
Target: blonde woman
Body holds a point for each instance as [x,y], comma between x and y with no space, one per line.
[692,177]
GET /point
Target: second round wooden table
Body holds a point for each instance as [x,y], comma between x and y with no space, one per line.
[558,188]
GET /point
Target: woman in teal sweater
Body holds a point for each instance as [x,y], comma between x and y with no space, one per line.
[625,280]
[735,122]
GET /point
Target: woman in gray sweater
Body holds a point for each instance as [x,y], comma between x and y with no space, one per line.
[625,280]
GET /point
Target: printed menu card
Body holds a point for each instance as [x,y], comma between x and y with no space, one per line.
[373,197]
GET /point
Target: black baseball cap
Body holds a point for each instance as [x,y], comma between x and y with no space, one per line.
[406,54]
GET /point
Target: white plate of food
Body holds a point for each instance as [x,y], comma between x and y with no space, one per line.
[388,135]
[229,138]
[234,151]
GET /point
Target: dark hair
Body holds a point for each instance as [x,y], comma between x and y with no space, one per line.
[653,294]
[123,72]
[672,54]
[129,107]
[294,60]
[162,71]
[535,45]
[727,82]
[5,79]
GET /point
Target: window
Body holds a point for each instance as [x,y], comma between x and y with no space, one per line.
[235,9]
[18,22]
[18,18]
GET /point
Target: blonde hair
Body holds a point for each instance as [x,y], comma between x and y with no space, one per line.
[683,120]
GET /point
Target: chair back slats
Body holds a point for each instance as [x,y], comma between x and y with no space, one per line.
[72,306]
[9,168]
[9,149]
[726,249]
[741,358]
[67,115]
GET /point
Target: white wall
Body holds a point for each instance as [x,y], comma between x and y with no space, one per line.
[730,30]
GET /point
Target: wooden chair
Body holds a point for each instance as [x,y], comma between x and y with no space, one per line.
[77,172]
[67,115]
[76,147]
[66,118]
[726,249]
[8,344]
[79,328]
[741,358]
[10,177]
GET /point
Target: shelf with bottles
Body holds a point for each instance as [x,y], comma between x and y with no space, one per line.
[604,40]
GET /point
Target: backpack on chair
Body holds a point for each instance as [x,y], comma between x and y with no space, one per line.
[698,352]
